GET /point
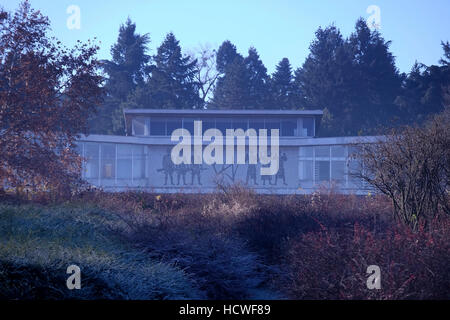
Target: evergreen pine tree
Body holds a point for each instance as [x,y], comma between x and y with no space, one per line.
[258,85]
[125,71]
[355,81]
[445,61]
[282,86]
[129,61]
[379,81]
[226,54]
[171,84]
[232,90]
[325,80]
[426,90]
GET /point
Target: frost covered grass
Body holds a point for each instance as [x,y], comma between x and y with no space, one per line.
[38,243]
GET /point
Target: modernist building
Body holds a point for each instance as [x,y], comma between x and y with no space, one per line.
[140,160]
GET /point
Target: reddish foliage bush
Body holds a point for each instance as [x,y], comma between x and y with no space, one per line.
[332,263]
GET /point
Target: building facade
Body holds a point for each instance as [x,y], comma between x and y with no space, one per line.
[141,159]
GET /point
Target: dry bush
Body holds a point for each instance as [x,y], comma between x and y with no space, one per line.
[270,224]
[332,264]
[335,209]
[230,203]
[412,168]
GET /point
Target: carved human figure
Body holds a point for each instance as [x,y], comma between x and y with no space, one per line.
[281,170]
[167,167]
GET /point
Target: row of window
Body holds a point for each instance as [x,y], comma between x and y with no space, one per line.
[302,127]
[111,161]
[317,164]
[323,164]
[336,151]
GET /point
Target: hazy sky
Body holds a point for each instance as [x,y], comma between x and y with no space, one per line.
[277,29]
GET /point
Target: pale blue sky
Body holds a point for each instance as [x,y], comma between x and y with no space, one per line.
[282,28]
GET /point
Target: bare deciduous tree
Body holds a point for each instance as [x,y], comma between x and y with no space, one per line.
[207,73]
[411,166]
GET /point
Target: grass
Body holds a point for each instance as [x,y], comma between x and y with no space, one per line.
[40,242]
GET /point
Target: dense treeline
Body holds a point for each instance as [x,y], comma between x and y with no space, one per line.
[354,80]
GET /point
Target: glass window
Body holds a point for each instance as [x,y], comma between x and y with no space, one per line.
[256,124]
[157,127]
[108,161]
[92,165]
[272,124]
[188,124]
[223,124]
[308,127]
[322,172]
[124,154]
[322,152]
[208,124]
[338,151]
[354,167]
[173,125]
[306,152]
[306,170]
[288,128]
[139,127]
[240,124]
[338,171]
[138,162]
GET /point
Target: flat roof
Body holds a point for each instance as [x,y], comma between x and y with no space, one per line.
[284,141]
[179,112]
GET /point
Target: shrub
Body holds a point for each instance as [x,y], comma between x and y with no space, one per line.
[270,224]
[411,167]
[332,264]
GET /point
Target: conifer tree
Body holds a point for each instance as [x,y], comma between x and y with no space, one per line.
[378,80]
[354,80]
[258,85]
[426,90]
[171,84]
[226,54]
[282,85]
[232,90]
[125,71]
[325,79]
